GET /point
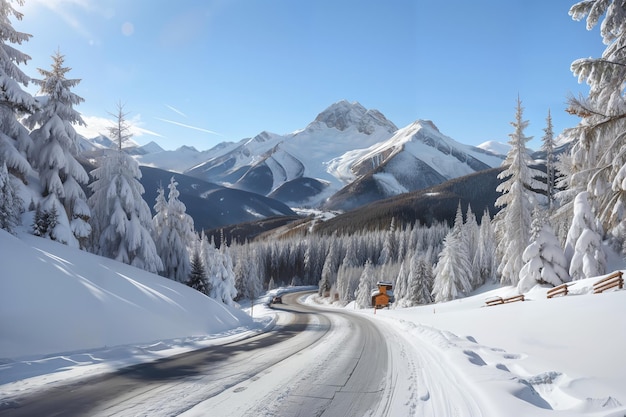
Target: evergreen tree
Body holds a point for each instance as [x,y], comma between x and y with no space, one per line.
[583,247]
[328,271]
[15,142]
[400,290]
[517,200]
[485,262]
[10,202]
[597,161]
[55,149]
[452,273]
[420,281]
[197,275]
[366,284]
[390,245]
[121,219]
[174,233]
[544,259]
[470,232]
[228,291]
[548,148]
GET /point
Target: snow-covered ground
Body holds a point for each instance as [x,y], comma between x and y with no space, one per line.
[66,314]
[560,356]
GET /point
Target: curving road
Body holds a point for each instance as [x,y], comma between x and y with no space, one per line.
[314,363]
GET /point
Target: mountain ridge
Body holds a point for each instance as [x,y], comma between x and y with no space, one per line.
[347,156]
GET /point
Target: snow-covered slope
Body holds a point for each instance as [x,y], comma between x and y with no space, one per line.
[183,158]
[497,148]
[54,299]
[415,157]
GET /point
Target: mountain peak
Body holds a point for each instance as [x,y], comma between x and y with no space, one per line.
[429,124]
[343,114]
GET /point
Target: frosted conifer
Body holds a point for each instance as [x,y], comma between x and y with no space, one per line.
[121,219]
[544,259]
[452,272]
[512,224]
[174,233]
[583,247]
[15,142]
[54,154]
[10,202]
[597,162]
[366,284]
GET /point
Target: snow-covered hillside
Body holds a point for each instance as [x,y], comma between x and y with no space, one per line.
[421,140]
[56,299]
[496,148]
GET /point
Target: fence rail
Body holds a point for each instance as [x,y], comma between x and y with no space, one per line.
[558,290]
[616,279]
[499,300]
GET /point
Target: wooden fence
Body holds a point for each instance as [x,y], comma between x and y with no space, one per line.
[499,300]
[614,280]
[558,290]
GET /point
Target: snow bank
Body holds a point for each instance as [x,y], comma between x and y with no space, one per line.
[526,358]
[57,299]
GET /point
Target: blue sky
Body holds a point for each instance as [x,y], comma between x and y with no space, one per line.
[199,72]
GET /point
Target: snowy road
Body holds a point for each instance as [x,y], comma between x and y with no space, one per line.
[313,363]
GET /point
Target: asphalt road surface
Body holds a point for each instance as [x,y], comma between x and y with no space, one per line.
[313,363]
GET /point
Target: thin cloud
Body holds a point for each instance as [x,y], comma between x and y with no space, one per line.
[189,126]
[175,110]
[100,126]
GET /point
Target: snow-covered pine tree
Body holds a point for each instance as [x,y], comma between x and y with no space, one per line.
[583,247]
[402,281]
[485,261]
[174,233]
[512,223]
[597,160]
[228,291]
[452,273]
[390,245]
[10,202]
[548,148]
[420,281]
[121,219]
[15,142]
[225,290]
[329,270]
[241,272]
[54,153]
[470,232]
[366,284]
[544,259]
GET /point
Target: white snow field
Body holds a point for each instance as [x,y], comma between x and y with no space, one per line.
[66,314]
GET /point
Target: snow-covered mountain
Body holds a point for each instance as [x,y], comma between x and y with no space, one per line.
[293,167]
[415,157]
[344,146]
[495,147]
[346,157]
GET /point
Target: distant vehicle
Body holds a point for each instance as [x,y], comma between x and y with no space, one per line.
[383,296]
[277,300]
